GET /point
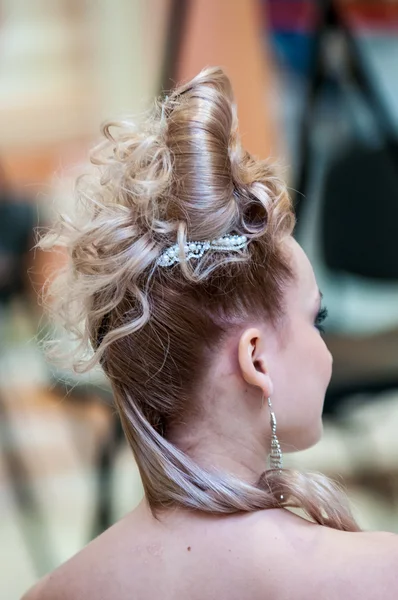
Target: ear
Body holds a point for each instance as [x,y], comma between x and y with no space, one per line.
[252,361]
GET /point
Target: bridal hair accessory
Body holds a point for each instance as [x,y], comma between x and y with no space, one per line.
[197,249]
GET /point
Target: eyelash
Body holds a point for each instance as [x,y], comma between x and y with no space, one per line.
[320,318]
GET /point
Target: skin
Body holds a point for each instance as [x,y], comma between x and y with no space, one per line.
[291,364]
[266,554]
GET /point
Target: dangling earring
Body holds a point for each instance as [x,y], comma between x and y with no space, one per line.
[275,457]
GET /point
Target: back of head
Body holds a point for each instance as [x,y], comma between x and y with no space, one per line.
[178,178]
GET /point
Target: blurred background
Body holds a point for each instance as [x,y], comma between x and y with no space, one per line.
[317,89]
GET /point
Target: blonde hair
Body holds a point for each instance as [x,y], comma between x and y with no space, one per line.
[181,175]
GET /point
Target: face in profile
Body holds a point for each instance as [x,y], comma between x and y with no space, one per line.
[301,364]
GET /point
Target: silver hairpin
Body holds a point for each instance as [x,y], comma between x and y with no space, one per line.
[197,249]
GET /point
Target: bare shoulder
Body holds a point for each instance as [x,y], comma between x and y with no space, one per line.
[64,583]
[80,578]
[318,562]
[40,591]
[364,564]
[267,554]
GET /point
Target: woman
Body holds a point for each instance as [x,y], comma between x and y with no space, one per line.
[205,316]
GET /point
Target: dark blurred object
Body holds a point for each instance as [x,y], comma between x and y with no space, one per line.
[178,14]
[359,209]
[360,212]
[17,222]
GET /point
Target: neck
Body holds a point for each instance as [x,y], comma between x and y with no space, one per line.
[217,449]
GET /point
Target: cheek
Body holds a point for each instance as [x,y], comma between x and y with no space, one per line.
[308,365]
[312,354]
[303,370]
[325,360]
[308,356]
[319,371]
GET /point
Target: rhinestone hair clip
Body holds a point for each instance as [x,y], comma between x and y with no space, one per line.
[197,249]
